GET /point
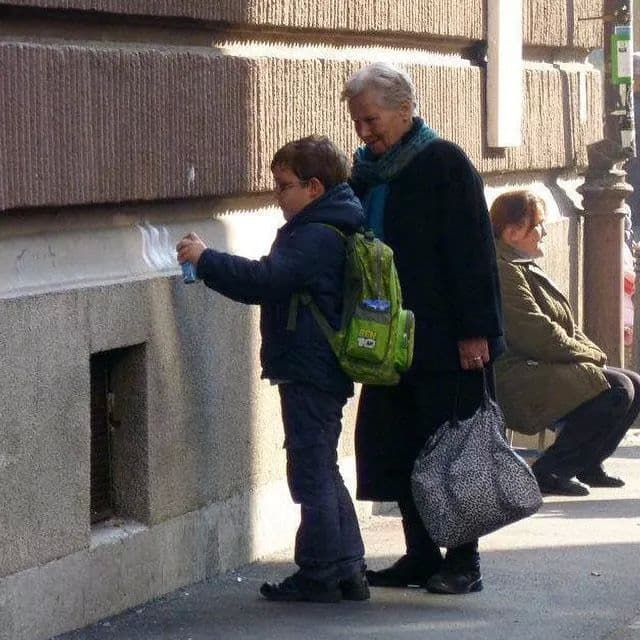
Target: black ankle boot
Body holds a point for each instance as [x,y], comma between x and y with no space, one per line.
[553,484]
[447,581]
[459,574]
[403,573]
[598,477]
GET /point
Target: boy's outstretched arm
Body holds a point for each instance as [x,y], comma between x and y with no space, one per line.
[273,277]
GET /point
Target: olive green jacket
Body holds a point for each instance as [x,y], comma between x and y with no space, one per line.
[550,366]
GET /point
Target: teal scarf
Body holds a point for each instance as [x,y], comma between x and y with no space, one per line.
[375,172]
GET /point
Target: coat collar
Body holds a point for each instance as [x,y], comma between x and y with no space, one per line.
[509,254]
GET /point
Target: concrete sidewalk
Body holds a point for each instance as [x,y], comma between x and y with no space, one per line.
[571,571]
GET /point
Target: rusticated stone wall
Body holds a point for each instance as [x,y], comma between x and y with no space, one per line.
[105,124]
[115,121]
[396,16]
[574,23]
[93,124]
[546,22]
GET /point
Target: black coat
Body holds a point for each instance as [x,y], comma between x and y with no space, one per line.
[305,256]
[436,221]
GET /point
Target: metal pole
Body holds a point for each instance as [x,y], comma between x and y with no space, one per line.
[605,189]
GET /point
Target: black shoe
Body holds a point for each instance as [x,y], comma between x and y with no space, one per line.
[599,478]
[552,484]
[355,588]
[297,588]
[448,581]
[403,573]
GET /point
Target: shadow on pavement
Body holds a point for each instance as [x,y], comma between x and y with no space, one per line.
[570,572]
[590,508]
[628,452]
[559,592]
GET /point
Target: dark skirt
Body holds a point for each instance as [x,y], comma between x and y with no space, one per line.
[394,423]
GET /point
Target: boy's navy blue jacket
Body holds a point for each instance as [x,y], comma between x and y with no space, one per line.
[305,256]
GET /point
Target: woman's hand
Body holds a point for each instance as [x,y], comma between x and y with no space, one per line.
[474,353]
[190,249]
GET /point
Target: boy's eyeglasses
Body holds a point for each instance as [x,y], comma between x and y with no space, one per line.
[281,188]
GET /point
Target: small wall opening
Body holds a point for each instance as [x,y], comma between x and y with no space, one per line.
[119,435]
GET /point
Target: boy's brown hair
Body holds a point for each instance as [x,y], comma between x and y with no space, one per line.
[314,157]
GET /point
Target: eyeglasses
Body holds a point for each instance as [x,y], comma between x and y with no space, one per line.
[281,188]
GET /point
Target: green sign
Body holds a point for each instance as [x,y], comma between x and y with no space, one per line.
[621,56]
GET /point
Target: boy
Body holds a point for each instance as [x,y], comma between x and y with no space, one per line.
[306,256]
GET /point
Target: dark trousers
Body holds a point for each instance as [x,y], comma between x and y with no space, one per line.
[328,542]
[590,433]
[425,552]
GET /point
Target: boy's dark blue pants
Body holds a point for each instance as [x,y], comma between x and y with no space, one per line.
[328,543]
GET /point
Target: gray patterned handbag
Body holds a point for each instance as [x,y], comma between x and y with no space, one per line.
[468,482]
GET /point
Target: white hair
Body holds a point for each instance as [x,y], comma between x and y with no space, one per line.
[393,87]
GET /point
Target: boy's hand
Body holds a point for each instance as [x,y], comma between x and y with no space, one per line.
[190,249]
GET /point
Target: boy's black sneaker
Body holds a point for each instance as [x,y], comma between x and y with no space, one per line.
[298,588]
[355,588]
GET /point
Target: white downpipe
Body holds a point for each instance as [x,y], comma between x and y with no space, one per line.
[504,73]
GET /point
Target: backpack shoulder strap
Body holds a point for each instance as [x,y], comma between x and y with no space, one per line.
[330,226]
[292,319]
[307,300]
[296,300]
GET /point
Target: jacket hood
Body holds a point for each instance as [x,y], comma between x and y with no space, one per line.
[338,207]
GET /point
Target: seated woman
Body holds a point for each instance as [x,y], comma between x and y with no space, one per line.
[552,375]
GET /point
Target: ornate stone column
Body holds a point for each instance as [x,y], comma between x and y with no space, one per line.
[604,192]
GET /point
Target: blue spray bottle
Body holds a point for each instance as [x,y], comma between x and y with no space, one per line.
[188,272]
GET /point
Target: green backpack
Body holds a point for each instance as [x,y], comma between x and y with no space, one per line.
[375,342]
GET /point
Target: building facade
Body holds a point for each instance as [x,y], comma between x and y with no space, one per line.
[139,451]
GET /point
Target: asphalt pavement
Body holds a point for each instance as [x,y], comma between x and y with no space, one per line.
[570,571]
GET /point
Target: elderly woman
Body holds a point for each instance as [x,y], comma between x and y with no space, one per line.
[424,198]
[552,375]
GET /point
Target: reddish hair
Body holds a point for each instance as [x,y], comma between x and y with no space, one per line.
[516,208]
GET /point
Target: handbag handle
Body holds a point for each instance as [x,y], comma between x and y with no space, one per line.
[486,397]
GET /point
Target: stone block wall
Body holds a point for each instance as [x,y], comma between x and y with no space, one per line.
[96,124]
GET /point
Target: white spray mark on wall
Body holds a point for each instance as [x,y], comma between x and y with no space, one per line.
[157,247]
[191,177]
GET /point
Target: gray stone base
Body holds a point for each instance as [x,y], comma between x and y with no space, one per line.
[128,563]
